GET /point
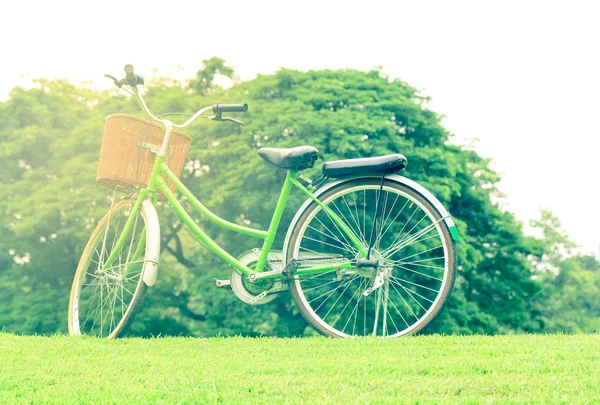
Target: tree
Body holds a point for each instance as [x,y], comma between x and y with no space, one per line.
[51,137]
[204,81]
[570,293]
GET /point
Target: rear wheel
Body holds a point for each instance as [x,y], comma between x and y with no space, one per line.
[105,299]
[411,242]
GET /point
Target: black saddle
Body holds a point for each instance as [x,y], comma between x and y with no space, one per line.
[298,158]
[304,157]
[380,164]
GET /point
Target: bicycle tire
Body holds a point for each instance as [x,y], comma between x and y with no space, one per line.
[414,283]
[105,234]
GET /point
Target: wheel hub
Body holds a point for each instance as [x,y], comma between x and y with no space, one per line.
[104,275]
[367,267]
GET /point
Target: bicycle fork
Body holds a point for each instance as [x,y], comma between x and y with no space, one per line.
[150,239]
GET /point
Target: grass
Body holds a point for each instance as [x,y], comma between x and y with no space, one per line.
[549,369]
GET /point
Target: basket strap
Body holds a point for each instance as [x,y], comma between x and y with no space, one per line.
[153,148]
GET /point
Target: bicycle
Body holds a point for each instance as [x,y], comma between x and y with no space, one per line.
[368,253]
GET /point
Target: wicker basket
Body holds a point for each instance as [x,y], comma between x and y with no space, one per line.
[124,163]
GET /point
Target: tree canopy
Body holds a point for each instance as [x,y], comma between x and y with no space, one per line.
[49,203]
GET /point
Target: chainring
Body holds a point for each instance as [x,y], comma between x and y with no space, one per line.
[247,291]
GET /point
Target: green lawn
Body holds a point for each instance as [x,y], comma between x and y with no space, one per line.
[548,369]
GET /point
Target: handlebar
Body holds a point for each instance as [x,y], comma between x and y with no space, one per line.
[133,80]
[221,108]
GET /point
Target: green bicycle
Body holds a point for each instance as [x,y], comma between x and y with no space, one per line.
[368,253]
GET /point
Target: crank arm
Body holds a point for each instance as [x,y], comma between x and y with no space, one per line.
[264,274]
[222,283]
[263,294]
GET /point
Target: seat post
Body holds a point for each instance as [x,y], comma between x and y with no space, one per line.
[283,197]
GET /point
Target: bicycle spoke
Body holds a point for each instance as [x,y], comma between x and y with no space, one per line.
[415,284]
[427,266]
[401,261]
[382,234]
[319,286]
[346,243]
[330,293]
[404,226]
[406,303]
[327,236]
[360,234]
[123,306]
[417,272]
[410,292]
[390,313]
[127,290]
[320,253]
[399,313]
[88,314]
[425,251]
[109,310]
[386,297]
[355,309]
[325,243]
[357,216]
[345,306]
[417,238]
[395,246]
[380,222]
[341,295]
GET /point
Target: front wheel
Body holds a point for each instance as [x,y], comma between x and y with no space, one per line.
[105,297]
[409,239]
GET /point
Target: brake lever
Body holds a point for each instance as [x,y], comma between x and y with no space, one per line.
[118,83]
[219,117]
[232,120]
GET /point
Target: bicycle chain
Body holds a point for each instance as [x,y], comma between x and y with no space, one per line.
[310,259]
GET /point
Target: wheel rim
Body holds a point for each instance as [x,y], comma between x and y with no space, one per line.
[103,298]
[414,263]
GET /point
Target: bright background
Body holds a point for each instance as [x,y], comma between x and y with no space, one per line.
[522,77]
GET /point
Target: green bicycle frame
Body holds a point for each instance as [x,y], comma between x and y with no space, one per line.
[156,183]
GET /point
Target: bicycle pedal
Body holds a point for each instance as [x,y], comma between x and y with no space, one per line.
[222,283]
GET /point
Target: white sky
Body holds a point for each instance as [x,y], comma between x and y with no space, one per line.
[523,77]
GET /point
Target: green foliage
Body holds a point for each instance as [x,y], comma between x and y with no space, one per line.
[570,283]
[204,81]
[49,202]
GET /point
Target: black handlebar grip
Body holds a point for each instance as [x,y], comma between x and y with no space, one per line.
[130,77]
[221,108]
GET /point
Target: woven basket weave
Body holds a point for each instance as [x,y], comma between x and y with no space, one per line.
[124,163]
